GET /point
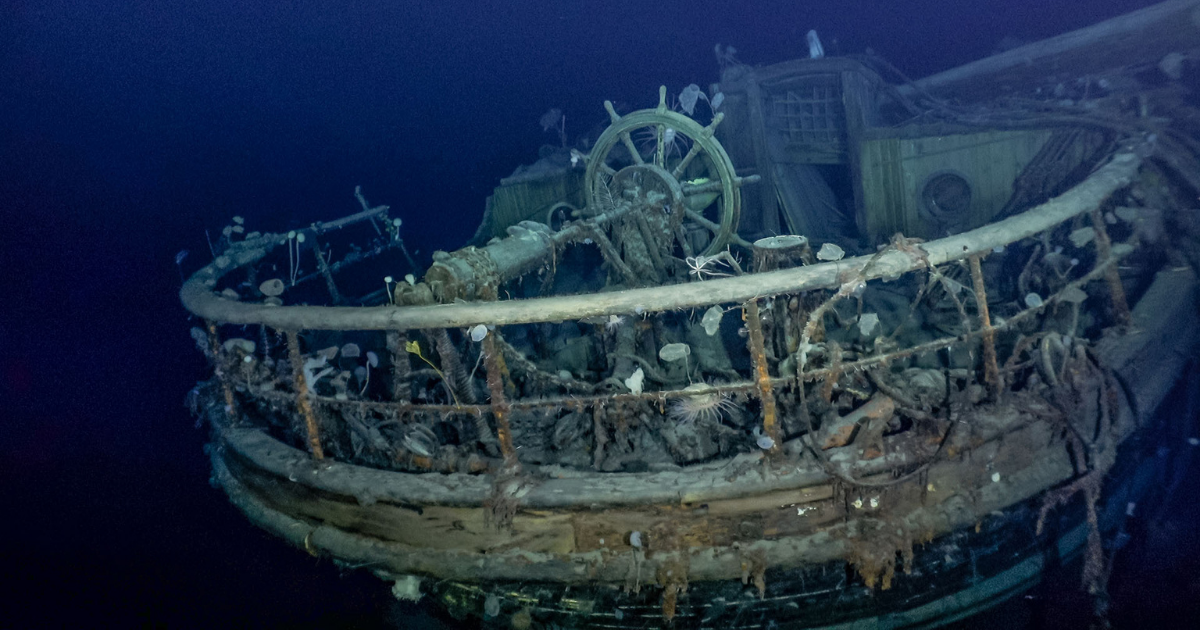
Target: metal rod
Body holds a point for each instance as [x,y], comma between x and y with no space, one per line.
[991,371]
[401,368]
[762,375]
[500,407]
[214,346]
[303,406]
[1112,275]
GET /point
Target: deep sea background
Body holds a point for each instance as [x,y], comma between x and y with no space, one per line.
[129,127]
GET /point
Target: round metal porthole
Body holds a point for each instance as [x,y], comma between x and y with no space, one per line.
[946,199]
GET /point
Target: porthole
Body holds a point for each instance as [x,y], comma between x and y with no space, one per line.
[946,199]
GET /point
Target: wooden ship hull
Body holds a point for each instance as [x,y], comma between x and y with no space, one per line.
[603,417]
[979,547]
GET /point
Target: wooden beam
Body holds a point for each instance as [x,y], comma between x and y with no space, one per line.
[1140,37]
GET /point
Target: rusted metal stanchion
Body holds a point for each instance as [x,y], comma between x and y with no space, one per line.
[303,406]
[500,407]
[453,371]
[991,371]
[762,376]
[401,368]
[501,505]
[214,347]
[1111,275]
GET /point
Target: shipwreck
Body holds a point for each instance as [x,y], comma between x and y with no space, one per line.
[830,348]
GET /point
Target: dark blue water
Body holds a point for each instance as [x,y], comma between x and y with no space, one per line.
[128,128]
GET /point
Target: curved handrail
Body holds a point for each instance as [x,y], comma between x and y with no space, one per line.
[197,295]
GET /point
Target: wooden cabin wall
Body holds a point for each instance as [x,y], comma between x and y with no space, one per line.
[860,100]
[894,169]
[529,198]
[736,134]
[800,112]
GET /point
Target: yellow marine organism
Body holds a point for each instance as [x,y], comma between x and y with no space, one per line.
[414,347]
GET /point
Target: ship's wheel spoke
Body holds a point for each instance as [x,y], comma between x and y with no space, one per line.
[660,154]
[686,161]
[633,152]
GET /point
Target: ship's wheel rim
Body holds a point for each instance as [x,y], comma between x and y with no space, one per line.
[659,119]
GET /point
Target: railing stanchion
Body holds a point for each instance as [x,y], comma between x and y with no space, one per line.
[303,405]
[1111,275]
[500,407]
[991,371]
[214,347]
[762,375]
[401,368]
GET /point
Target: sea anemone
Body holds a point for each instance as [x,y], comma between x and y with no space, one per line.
[674,144]
[705,404]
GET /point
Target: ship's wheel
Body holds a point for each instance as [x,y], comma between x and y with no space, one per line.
[662,161]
